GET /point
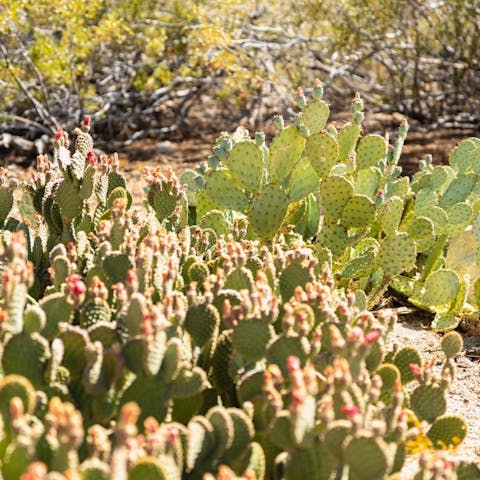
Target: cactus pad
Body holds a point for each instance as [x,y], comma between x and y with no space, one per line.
[391,215]
[441,287]
[224,192]
[267,211]
[367,457]
[347,140]
[250,339]
[322,151]
[371,149]
[421,231]
[6,204]
[285,151]
[335,192]
[397,254]
[452,344]
[26,355]
[458,190]
[215,219]
[202,322]
[428,402]
[303,181]
[315,116]
[245,162]
[359,212]
[283,347]
[447,432]
[403,359]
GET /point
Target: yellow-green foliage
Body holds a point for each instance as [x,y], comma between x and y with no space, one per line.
[98,46]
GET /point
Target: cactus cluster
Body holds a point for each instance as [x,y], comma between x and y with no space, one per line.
[223,332]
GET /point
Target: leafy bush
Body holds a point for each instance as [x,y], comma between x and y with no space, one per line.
[203,337]
[142,65]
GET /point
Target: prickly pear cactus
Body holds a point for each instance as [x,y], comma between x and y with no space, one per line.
[223,331]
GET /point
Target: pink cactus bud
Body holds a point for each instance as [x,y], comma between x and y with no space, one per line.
[349,410]
[92,158]
[59,134]
[414,368]
[86,120]
[293,363]
[372,336]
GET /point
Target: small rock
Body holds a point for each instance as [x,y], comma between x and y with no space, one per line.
[165,147]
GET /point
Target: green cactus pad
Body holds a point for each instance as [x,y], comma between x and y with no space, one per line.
[367,458]
[224,192]
[172,361]
[204,204]
[390,374]
[465,156]
[441,287]
[371,149]
[403,359]
[152,397]
[285,151]
[444,321]
[243,433]
[452,344]
[189,382]
[202,322]
[368,182]
[93,312]
[399,188]
[440,175]
[116,266]
[221,361]
[428,402]
[359,212]
[293,276]
[281,348]
[267,211]
[222,424]
[362,264]
[467,471]
[250,385]
[215,219]
[458,190]
[347,140]
[334,238]
[303,181]
[6,204]
[57,310]
[69,200]
[34,319]
[280,431]
[335,192]
[250,339]
[424,201]
[397,254]
[150,468]
[200,441]
[16,386]
[421,231]
[458,218]
[26,355]
[245,162]
[438,217]
[315,116]
[240,278]
[322,151]
[196,271]
[447,432]
[335,437]
[391,215]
